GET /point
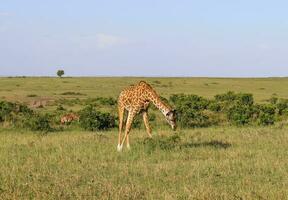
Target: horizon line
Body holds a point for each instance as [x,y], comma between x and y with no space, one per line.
[132,76]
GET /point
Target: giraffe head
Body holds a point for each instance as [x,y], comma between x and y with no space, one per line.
[171,119]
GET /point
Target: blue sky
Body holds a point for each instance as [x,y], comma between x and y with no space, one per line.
[246,38]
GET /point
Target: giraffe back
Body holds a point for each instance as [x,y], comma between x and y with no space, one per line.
[138,96]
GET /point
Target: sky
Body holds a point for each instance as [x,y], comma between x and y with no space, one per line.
[207,38]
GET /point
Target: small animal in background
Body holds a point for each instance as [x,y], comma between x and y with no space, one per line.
[69,118]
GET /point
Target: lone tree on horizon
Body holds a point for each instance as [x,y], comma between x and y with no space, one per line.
[60,73]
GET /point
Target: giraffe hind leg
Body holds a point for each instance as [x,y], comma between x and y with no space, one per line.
[121,117]
[130,118]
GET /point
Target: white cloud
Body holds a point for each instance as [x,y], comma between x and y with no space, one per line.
[105,41]
[5,14]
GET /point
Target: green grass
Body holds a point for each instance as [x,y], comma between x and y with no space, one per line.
[53,88]
[213,163]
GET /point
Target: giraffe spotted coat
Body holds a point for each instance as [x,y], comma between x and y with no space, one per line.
[135,99]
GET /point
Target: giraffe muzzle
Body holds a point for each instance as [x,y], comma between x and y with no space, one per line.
[174,127]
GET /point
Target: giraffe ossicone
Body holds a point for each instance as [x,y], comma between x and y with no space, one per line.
[136,99]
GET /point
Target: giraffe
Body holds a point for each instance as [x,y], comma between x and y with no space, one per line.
[136,99]
[69,118]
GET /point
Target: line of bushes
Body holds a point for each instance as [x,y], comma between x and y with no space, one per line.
[232,108]
[192,111]
[18,115]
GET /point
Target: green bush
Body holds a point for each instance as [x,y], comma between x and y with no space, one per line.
[282,106]
[24,109]
[138,120]
[229,96]
[93,120]
[38,122]
[190,110]
[273,100]
[245,99]
[214,106]
[240,114]
[6,109]
[267,114]
[9,110]
[241,98]
[194,119]
[106,101]
[194,102]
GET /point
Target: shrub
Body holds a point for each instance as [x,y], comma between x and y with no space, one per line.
[273,100]
[24,109]
[183,101]
[266,119]
[191,118]
[240,114]
[138,120]
[6,109]
[282,106]
[214,106]
[9,110]
[242,98]
[190,110]
[106,101]
[229,96]
[38,122]
[267,114]
[93,120]
[245,99]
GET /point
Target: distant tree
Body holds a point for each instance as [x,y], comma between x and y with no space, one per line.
[60,73]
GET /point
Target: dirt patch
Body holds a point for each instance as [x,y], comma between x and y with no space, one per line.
[40,103]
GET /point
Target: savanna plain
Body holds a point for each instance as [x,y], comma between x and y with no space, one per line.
[217,162]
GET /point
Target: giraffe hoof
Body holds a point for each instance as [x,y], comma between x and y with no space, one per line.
[119,148]
[128,147]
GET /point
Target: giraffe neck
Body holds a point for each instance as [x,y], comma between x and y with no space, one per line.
[155,99]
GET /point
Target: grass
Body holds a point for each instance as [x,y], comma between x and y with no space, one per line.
[212,163]
[262,89]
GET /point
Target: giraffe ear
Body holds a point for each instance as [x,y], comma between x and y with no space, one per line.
[169,113]
[174,111]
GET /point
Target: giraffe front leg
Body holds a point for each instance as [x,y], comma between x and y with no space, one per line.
[146,122]
[130,118]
